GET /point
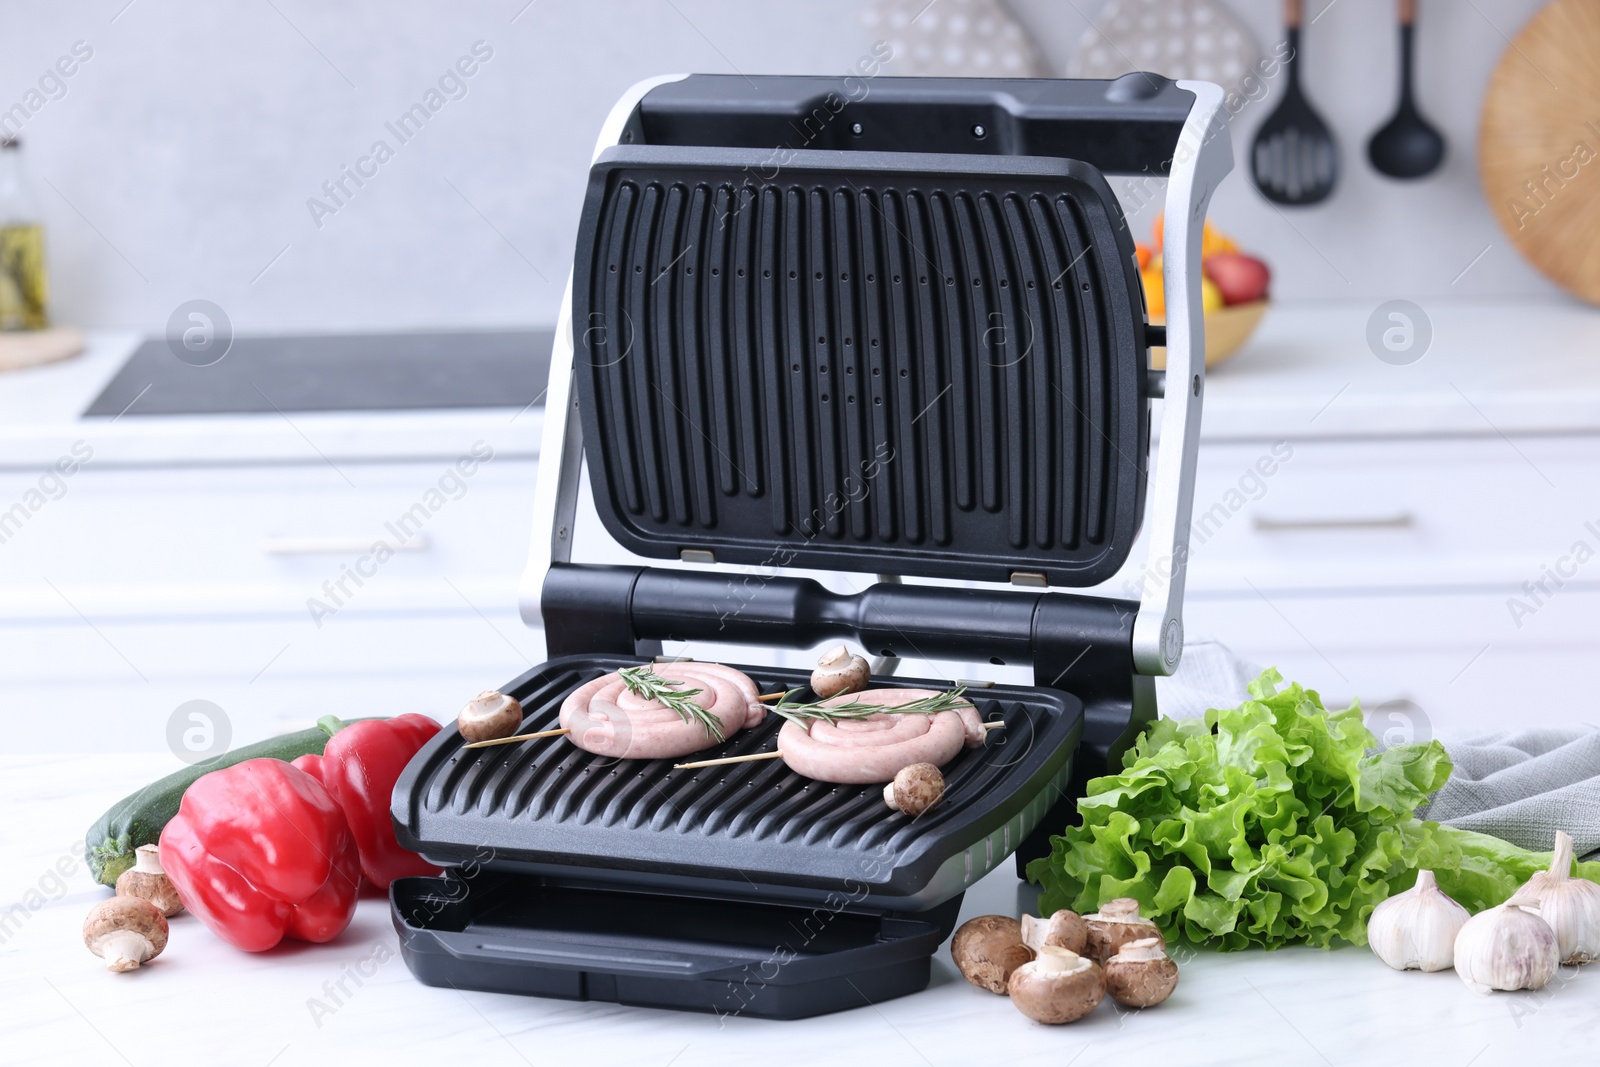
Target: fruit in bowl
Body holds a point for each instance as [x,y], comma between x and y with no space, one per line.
[1233,292]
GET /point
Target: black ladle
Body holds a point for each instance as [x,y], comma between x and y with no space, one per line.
[1294,159]
[1407,147]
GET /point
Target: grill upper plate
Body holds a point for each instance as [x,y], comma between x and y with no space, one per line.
[752,830]
[879,361]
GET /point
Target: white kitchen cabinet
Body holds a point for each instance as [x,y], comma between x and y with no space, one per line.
[183,561]
[145,588]
[1427,533]
[1463,512]
[1456,656]
[114,686]
[1460,574]
[241,540]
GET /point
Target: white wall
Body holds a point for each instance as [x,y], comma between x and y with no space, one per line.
[180,159]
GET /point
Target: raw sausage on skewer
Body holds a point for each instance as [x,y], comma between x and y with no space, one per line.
[609,719]
[874,749]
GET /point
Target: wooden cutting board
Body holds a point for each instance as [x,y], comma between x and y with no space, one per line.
[33,347]
[1539,144]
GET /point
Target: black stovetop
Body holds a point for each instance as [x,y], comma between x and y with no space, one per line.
[347,372]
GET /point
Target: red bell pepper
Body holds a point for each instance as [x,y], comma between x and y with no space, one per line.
[258,852]
[359,767]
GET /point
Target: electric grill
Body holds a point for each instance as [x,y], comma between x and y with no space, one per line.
[909,342]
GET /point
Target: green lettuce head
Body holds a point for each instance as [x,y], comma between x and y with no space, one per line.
[1269,824]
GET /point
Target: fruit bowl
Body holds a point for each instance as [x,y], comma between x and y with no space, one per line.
[1233,292]
[1227,329]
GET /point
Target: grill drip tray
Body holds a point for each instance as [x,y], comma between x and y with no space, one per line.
[510,933]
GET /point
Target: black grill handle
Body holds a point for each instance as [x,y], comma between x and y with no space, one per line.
[1069,639]
[888,620]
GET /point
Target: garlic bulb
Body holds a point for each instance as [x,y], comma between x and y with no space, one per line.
[1508,947]
[1569,906]
[1416,930]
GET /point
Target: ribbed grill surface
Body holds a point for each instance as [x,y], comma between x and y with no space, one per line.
[532,799]
[938,368]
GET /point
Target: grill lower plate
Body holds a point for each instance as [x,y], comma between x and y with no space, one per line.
[753,831]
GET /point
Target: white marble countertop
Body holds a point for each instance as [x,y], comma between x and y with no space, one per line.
[40,412]
[1491,367]
[205,1003]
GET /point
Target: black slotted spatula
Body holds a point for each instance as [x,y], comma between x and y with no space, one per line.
[1294,159]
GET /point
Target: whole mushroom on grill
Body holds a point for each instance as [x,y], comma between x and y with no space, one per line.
[1058,987]
[1141,974]
[988,949]
[840,671]
[1114,925]
[489,716]
[915,789]
[125,932]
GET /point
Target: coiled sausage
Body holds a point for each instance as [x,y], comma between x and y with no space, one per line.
[874,749]
[608,719]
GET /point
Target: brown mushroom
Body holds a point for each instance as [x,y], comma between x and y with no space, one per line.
[1114,925]
[915,789]
[1058,987]
[489,716]
[840,671]
[148,880]
[988,949]
[1141,974]
[125,932]
[1063,929]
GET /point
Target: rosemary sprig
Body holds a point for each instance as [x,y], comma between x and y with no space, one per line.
[644,682]
[804,714]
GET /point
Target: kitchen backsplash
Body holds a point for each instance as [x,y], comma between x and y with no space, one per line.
[380,164]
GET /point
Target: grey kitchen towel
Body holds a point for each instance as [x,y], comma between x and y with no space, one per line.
[1524,785]
[1210,675]
[1518,785]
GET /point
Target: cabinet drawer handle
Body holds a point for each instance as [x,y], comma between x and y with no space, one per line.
[327,546]
[1400,521]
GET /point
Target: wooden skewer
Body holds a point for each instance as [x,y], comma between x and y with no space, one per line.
[779,695]
[726,759]
[518,737]
[676,766]
[773,755]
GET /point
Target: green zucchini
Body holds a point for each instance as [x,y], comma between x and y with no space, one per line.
[139,819]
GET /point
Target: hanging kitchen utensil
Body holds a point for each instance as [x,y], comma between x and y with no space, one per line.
[1197,39]
[1294,160]
[1407,146]
[954,38]
[1537,144]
